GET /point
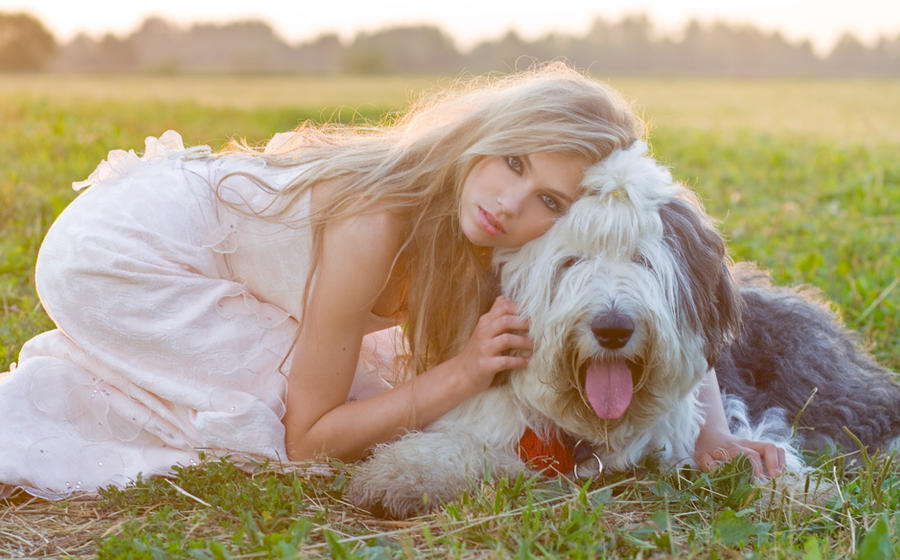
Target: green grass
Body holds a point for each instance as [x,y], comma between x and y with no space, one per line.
[804,177]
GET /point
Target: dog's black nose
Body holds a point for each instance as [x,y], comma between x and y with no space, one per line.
[612,330]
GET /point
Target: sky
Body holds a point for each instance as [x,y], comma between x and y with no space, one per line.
[469,21]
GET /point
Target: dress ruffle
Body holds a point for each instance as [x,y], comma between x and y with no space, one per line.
[119,162]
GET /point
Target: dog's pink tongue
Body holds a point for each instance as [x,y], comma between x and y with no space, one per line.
[608,388]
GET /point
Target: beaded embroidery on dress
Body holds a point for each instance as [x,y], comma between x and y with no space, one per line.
[174,313]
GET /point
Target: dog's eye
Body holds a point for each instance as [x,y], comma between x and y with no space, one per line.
[564,265]
[641,260]
[568,262]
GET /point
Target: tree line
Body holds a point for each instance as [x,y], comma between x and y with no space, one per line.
[629,46]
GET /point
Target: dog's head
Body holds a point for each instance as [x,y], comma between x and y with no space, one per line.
[630,297]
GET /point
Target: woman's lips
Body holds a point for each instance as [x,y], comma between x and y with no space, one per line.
[489,223]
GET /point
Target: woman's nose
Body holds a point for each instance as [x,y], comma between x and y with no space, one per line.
[510,201]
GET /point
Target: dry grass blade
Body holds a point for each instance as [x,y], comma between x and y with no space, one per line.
[184,492]
[38,528]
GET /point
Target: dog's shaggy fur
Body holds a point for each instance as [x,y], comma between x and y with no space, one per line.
[631,293]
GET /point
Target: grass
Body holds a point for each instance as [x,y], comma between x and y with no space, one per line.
[803,176]
[216,511]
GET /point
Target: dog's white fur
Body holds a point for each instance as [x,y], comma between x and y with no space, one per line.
[619,248]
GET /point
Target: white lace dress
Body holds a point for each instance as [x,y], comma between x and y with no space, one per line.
[174,313]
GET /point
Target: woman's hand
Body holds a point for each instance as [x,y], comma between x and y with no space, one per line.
[716,444]
[715,447]
[498,332]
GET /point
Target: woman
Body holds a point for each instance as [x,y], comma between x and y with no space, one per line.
[246,303]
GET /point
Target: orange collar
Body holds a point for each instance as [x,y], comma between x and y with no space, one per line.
[549,457]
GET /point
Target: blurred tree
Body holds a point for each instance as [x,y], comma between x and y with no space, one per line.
[851,57]
[158,46]
[888,50]
[423,49]
[361,61]
[25,44]
[509,52]
[625,47]
[109,54]
[323,54]
[243,46]
[726,49]
[630,46]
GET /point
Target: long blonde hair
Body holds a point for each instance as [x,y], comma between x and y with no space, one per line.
[417,165]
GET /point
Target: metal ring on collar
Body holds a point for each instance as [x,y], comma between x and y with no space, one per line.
[599,467]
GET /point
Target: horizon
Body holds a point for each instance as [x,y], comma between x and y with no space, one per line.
[867,21]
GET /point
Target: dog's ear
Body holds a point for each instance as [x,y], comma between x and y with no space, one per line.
[707,295]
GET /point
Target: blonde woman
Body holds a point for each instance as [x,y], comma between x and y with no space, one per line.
[247,302]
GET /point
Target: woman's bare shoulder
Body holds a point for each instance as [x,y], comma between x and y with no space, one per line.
[379,229]
[358,257]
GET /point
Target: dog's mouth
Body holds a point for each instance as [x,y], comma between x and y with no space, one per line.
[609,386]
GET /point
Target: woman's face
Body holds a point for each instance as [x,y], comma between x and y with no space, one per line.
[508,201]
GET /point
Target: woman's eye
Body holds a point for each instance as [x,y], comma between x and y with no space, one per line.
[551,203]
[514,163]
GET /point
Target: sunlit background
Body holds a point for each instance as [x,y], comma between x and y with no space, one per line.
[614,37]
[468,21]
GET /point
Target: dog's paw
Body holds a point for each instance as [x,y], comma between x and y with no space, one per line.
[391,490]
[417,473]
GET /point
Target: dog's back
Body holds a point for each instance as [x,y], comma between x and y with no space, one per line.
[792,353]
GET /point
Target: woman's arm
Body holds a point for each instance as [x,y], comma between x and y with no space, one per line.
[716,443]
[356,259]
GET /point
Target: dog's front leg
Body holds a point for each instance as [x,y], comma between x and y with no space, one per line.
[422,469]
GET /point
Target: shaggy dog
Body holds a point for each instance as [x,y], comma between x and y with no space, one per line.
[631,300]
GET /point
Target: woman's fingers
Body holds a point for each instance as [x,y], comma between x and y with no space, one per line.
[511,322]
[504,316]
[504,303]
[753,456]
[503,363]
[499,342]
[509,341]
[767,459]
[707,463]
[772,455]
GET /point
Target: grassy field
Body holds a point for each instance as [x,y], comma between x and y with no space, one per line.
[803,175]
